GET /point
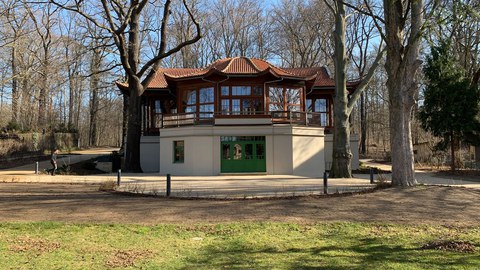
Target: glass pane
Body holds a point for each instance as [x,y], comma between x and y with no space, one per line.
[275,107]
[275,95]
[190,109]
[236,106]
[241,90]
[190,97]
[237,152]
[249,151]
[309,105]
[206,95]
[225,106]
[324,119]
[206,111]
[206,108]
[158,108]
[257,105]
[260,151]
[247,106]
[226,151]
[293,108]
[225,91]
[178,149]
[258,90]
[293,95]
[321,105]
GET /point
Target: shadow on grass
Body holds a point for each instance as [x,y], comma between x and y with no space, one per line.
[367,253]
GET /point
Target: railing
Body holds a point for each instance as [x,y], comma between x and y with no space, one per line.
[300,118]
[208,118]
[186,119]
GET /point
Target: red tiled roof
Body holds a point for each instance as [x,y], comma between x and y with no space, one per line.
[159,81]
[322,79]
[240,66]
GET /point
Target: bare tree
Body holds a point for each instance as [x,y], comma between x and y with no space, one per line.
[233,25]
[17,22]
[360,34]
[121,19]
[402,65]
[44,28]
[302,41]
[343,105]
[73,60]
[460,23]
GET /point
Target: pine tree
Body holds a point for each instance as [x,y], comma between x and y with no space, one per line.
[451,104]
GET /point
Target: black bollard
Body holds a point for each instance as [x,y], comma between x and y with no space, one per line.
[119,176]
[168,184]
[36,167]
[325,183]
[371,175]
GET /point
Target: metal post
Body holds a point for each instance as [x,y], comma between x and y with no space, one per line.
[325,183]
[371,175]
[119,176]
[36,167]
[168,185]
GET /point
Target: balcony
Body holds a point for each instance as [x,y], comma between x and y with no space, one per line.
[160,121]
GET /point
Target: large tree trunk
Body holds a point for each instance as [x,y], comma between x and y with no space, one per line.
[124,123]
[402,66]
[134,131]
[95,65]
[363,125]
[15,92]
[43,98]
[342,155]
[401,105]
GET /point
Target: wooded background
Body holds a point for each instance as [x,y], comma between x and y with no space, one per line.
[57,69]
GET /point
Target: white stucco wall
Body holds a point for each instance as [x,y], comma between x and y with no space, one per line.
[308,153]
[200,151]
[292,150]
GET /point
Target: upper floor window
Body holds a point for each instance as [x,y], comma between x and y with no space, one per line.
[284,98]
[241,100]
[199,101]
[320,106]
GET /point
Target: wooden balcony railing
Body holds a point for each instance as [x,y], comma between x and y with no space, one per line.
[208,118]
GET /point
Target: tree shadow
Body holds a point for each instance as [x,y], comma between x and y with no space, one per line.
[368,253]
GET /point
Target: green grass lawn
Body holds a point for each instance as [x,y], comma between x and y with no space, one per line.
[256,245]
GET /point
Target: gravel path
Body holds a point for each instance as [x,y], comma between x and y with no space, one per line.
[84,203]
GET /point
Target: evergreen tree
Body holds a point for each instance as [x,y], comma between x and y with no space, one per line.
[451,104]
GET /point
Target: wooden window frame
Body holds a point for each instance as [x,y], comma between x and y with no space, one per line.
[328,111]
[284,104]
[197,105]
[252,97]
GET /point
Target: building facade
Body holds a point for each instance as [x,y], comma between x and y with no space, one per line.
[239,115]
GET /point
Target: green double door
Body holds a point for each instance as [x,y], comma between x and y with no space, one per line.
[243,154]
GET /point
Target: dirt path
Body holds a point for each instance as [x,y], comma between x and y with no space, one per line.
[84,203]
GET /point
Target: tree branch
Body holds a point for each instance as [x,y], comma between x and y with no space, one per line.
[154,62]
[83,14]
[365,81]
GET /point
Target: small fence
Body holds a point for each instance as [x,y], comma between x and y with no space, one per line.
[240,187]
